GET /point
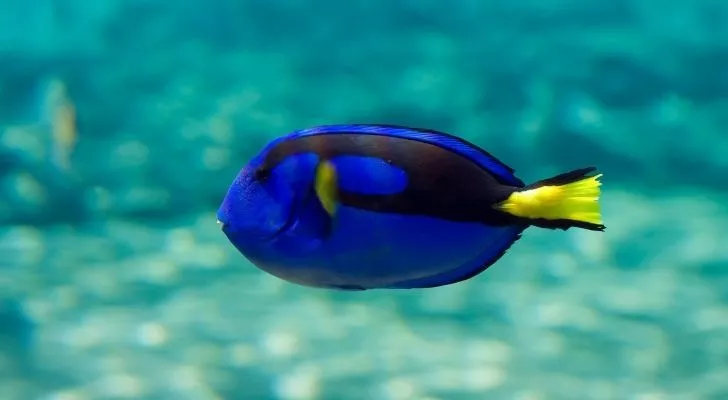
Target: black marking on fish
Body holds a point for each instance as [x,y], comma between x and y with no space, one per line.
[441,183]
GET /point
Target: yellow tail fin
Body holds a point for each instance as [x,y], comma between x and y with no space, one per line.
[564,201]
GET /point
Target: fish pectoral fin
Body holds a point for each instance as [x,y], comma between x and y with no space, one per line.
[326,186]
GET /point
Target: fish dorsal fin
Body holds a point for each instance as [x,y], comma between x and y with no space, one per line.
[502,172]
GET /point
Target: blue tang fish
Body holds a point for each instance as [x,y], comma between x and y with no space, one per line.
[356,207]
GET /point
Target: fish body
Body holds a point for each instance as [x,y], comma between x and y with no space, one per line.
[356,207]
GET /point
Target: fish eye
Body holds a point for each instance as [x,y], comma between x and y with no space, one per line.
[261,173]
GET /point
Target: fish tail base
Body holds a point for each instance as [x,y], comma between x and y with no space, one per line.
[562,202]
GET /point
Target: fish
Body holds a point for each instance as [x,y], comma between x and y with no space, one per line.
[370,206]
[56,124]
[49,136]
[60,114]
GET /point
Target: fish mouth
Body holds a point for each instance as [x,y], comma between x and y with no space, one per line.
[222,225]
[224,228]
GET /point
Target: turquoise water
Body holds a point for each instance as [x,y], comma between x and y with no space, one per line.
[116,283]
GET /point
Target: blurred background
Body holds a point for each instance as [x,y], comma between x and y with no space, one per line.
[122,122]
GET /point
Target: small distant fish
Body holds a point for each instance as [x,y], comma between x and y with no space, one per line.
[357,207]
[59,117]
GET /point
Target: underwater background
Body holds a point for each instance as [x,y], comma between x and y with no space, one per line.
[122,123]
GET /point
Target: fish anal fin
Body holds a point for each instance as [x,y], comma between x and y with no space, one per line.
[348,288]
[502,239]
